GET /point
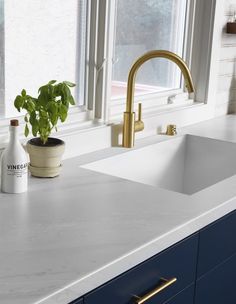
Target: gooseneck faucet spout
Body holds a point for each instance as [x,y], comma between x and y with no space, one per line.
[131,126]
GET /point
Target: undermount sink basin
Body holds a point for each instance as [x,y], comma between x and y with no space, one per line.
[184,164]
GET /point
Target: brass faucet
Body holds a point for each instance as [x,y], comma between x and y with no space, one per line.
[131,126]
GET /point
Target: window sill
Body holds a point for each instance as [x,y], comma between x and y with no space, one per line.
[78,121]
[88,136]
[81,137]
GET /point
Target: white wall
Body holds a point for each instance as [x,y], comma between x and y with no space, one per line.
[226,88]
[40,44]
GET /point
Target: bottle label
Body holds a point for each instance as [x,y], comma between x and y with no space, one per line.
[17,170]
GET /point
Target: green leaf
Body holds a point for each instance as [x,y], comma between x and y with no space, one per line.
[54,119]
[26,118]
[52,106]
[71,100]
[58,90]
[44,97]
[43,123]
[32,118]
[31,105]
[19,102]
[52,81]
[69,84]
[53,113]
[66,93]
[35,128]
[23,92]
[50,91]
[26,130]
[63,112]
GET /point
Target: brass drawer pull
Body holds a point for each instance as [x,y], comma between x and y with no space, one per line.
[149,295]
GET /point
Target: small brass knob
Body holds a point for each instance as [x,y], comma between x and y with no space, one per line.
[171,130]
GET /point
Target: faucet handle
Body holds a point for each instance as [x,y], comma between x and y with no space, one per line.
[140,112]
[139,125]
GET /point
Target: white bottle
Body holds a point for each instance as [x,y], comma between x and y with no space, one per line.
[14,166]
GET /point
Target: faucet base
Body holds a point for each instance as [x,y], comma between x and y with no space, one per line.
[128,130]
[130,127]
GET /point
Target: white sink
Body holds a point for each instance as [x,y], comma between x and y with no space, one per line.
[184,164]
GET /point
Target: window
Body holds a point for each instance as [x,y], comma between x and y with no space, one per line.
[142,26]
[44,40]
[132,28]
[95,42]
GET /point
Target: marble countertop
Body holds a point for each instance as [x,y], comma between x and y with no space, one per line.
[68,235]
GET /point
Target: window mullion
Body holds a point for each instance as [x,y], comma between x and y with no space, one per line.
[202,47]
[105,34]
[80,94]
[189,31]
[92,31]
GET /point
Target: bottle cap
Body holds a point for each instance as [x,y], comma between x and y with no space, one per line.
[14,123]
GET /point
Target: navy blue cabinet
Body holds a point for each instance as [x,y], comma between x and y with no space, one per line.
[217,262]
[218,285]
[186,296]
[147,276]
[217,242]
[204,265]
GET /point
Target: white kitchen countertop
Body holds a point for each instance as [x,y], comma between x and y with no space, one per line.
[68,235]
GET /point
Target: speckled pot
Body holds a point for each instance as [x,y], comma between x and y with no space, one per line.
[45,160]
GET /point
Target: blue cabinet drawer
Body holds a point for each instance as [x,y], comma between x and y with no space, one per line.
[218,285]
[184,297]
[178,261]
[217,242]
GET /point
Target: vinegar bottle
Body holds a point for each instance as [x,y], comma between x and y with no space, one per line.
[14,165]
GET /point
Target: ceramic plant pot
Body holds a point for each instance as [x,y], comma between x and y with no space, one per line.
[45,160]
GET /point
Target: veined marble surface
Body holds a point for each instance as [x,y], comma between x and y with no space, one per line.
[68,235]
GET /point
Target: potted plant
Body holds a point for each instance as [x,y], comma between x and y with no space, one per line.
[43,114]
